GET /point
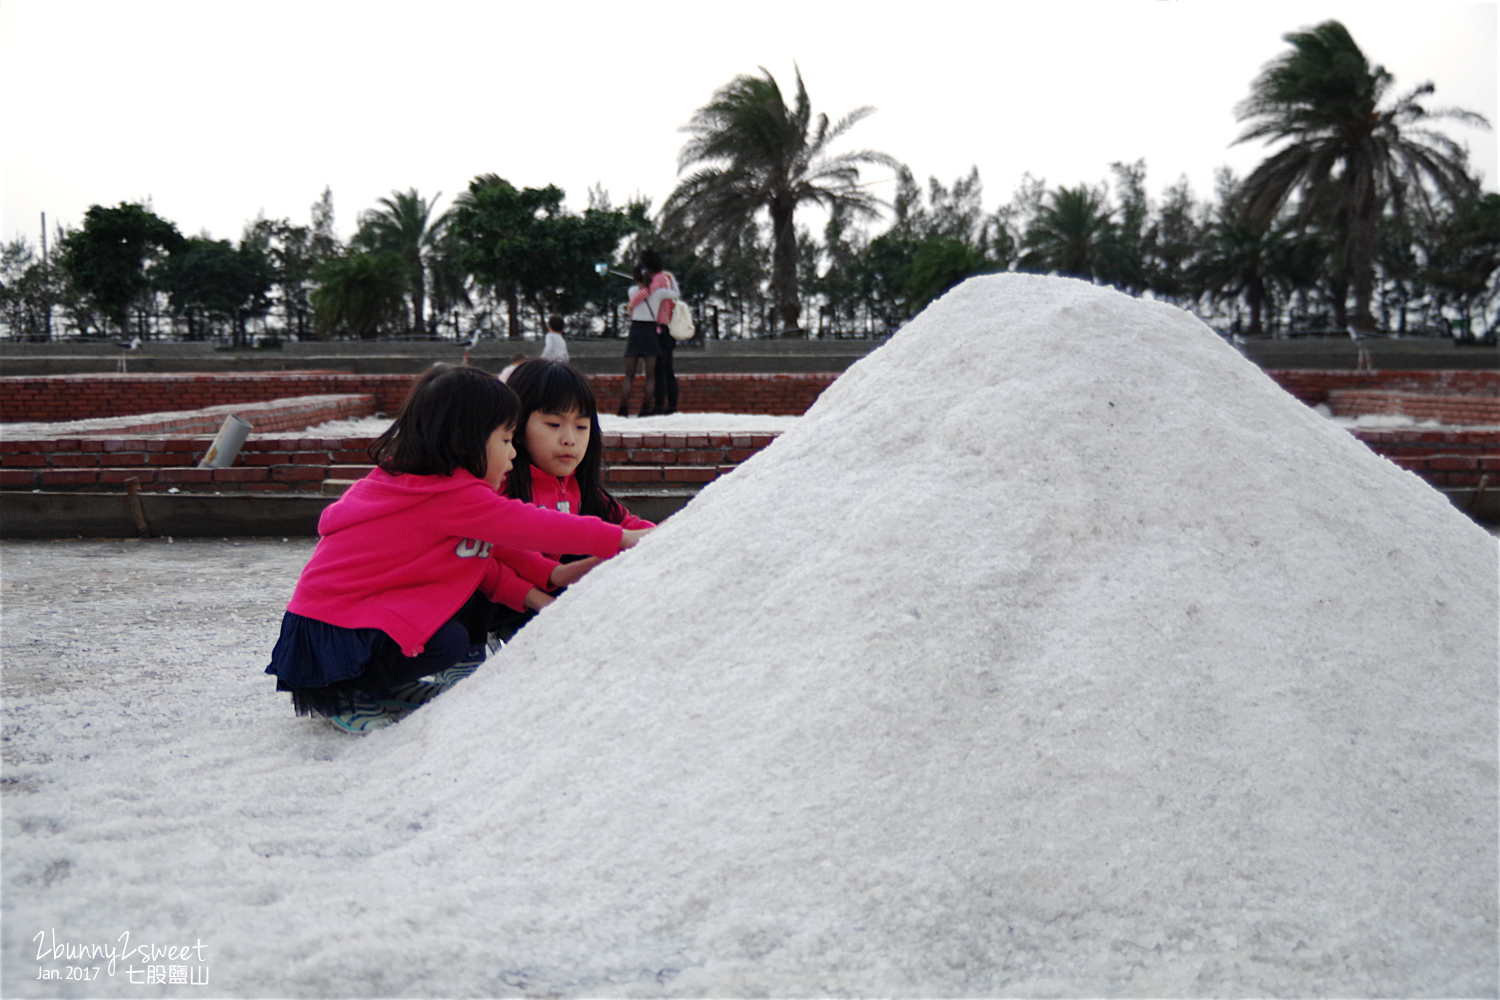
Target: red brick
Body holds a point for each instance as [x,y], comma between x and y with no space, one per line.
[121,475]
[1452,463]
[299,473]
[62,461]
[69,477]
[689,474]
[180,475]
[641,474]
[23,461]
[19,477]
[244,475]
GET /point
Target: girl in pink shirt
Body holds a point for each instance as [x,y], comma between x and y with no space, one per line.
[559,466]
[405,547]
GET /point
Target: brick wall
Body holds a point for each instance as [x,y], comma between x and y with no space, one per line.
[1444,458]
[780,394]
[1313,387]
[1456,410]
[77,397]
[676,459]
[53,398]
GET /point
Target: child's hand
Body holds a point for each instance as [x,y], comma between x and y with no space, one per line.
[628,537]
[568,574]
[536,600]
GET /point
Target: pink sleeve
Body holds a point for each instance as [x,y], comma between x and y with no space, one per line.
[633,523]
[532,566]
[505,586]
[662,280]
[486,515]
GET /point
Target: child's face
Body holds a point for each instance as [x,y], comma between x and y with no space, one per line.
[498,453]
[557,441]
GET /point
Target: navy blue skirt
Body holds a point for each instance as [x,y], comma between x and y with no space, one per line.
[324,666]
[327,668]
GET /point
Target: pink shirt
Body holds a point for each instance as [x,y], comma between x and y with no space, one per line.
[403,553]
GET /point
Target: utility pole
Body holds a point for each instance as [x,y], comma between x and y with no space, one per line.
[47,297]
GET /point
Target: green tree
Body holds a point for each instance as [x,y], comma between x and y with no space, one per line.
[361,294]
[211,281]
[1462,253]
[1177,236]
[111,258]
[521,243]
[1070,234]
[29,289]
[755,153]
[403,225]
[1347,155]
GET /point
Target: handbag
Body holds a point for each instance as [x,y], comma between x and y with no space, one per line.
[681,325]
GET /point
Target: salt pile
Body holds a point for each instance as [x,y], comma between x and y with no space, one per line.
[1056,651]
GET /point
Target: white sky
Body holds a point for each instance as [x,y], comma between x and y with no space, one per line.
[218,111]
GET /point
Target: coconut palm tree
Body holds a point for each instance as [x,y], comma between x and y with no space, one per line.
[753,153]
[1347,154]
[1070,234]
[403,225]
[359,293]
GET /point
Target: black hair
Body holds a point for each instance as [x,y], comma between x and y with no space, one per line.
[557,387]
[651,261]
[555,323]
[446,423]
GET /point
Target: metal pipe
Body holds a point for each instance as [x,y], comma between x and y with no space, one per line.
[226,447]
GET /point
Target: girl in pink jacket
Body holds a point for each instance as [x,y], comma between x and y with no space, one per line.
[559,466]
[405,547]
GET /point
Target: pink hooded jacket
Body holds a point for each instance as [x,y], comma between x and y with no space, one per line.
[403,553]
[524,570]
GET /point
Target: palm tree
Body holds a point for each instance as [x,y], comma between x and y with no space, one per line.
[359,293]
[1346,154]
[1070,234]
[755,153]
[403,225]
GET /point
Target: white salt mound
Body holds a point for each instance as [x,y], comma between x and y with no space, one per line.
[1056,651]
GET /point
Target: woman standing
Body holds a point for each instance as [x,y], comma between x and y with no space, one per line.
[650,310]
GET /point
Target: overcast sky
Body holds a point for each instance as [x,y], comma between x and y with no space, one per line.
[218,111]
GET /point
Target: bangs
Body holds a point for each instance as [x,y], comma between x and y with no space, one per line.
[552,387]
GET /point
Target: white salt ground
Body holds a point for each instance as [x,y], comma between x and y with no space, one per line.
[1056,651]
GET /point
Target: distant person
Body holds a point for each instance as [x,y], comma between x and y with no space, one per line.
[555,348]
[371,615]
[559,465]
[516,361]
[664,399]
[650,306]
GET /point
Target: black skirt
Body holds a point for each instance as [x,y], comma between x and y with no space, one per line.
[642,342]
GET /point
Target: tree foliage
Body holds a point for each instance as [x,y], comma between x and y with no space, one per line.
[361,294]
[403,224]
[1348,153]
[211,281]
[521,243]
[111,259]
[755,153]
